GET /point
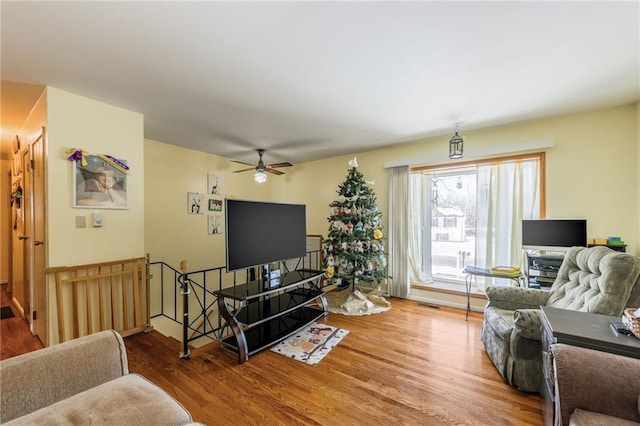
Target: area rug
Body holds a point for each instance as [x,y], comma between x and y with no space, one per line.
[356,302]
[311,344]
[6,312]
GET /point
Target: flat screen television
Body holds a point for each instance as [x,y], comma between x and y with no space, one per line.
[260,233]
[553,233]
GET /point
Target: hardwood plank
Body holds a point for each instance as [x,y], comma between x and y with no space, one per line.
[15,337]
[411,365]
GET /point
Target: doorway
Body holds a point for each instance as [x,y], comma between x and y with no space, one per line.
[28,256]
[38,216]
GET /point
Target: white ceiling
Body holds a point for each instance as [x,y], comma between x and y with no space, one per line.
[310,80]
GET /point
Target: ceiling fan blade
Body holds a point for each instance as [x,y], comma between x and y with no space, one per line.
[242,162]
[279,165]
[244,170]
[274,171]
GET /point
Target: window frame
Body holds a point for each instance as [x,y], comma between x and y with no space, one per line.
[457,166]
[541,156]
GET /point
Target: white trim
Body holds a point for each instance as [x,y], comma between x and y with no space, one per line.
[486,152]
[440,302]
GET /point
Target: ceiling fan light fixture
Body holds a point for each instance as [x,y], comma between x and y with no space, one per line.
[260,176]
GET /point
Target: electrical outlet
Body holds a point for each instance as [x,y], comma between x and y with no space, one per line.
[81,222]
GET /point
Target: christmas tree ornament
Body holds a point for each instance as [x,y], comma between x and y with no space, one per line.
[329,272]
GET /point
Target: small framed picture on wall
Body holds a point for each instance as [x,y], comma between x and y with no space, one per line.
[99,184]
[195,203]
[215,205]
[213,184]
[215,224]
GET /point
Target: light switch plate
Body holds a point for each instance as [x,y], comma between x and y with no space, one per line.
[81,222]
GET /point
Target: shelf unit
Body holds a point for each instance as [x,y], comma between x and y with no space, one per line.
[541,269]
[269,313]
[616,247]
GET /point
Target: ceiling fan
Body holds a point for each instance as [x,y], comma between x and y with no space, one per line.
[261,168]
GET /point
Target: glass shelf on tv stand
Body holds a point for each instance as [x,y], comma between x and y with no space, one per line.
[270,313]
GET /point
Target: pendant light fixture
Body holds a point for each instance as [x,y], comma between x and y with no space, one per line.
[456,146]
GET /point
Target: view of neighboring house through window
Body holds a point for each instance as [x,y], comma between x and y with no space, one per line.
[471,214]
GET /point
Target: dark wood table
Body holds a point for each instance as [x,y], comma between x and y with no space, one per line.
[583,329]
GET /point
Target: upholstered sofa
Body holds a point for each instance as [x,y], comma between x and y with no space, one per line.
[82,381]
[597,280]
[595,388]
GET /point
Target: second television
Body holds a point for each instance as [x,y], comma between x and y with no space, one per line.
[259,233]
[553,233]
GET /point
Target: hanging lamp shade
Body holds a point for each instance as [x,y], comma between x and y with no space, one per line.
[456,146]
[260,176]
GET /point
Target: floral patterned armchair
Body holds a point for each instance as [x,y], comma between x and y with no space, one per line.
[597,280]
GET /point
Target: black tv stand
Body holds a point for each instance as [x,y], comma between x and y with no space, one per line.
[269,313]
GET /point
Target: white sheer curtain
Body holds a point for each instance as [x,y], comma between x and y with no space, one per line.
[419,207]
[398,234]
[507,193]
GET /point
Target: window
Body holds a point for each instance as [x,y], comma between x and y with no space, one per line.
[474,210]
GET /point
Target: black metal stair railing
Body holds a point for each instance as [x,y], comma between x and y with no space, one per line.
[194,293]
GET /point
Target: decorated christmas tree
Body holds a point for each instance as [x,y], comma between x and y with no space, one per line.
[354,248]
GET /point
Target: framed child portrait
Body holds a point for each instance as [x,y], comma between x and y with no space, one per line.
[99,183]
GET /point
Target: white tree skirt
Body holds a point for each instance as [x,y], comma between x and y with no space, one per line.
[355,302]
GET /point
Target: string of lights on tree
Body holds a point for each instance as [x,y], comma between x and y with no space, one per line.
[354,249]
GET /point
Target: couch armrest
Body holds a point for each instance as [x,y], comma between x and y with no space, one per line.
[596,381]
[49,375]
[513,298]
[527,323]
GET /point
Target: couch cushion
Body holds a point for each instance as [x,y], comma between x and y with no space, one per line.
[589,418]
[127,400]
[40,378]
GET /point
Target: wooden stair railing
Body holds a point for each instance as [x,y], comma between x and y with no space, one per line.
[101,296]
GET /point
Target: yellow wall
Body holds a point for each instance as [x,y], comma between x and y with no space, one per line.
[5,216]
[638,170]
[172,234]
[591,170]
[79,122]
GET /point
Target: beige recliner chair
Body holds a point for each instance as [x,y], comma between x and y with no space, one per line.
[597,280]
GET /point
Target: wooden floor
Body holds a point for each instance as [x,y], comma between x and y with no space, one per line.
[412,365]
[15,337]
